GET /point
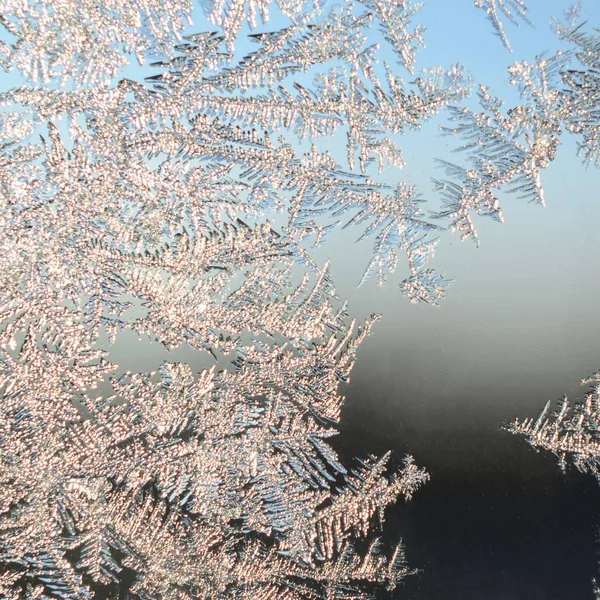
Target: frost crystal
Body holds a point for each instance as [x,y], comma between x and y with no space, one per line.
[513,10]
[572,432]
[583,90]
[505,148]
[198,486]
[510,148]
[179,209]
[87,41]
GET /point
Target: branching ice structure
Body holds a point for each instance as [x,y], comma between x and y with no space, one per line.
[150,207]
[221,485]
[508,149]
[572,432]
[180,208]
[87,41]
[512,10]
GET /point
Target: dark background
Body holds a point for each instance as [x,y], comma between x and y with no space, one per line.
[505,524]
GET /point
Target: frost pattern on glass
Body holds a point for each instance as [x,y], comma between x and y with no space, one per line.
[497,10]
[583,88]
[206,122]
[197,486]
[87,41]
[181,209]
[572,432]
[508,149]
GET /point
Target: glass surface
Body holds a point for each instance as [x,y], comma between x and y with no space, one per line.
[245,243]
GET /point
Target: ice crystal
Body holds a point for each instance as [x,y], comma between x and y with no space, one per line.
[572,432]
[200,486]
[506,148]
[582,93]
[179,209]
[395,17]
[87,41]
[509,148]
[198,137]
[512,10]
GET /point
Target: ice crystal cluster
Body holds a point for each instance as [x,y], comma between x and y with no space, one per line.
[572,433]
[507,149]
[511,10]
[181,208]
